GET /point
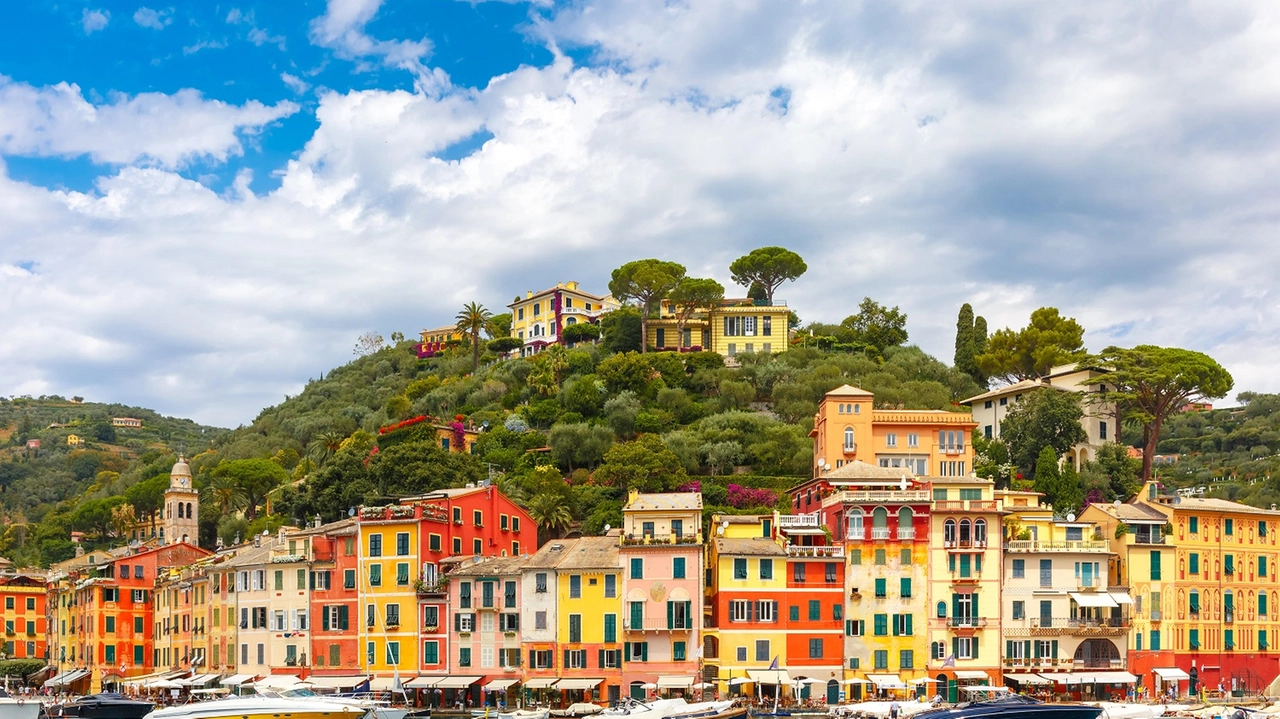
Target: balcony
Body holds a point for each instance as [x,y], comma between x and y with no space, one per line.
[648,540]
[1032,545]
[856,533]
[965,544]
[1068,626]
[958,622]
[879,533]
[877,496]
[906,533]
[656,624]
[792,521]
[824,551]
[851,448]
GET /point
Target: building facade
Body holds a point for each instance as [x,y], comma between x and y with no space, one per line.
[731,327]
[538,318]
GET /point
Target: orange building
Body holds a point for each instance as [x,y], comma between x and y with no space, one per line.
[335,606]
[22,606]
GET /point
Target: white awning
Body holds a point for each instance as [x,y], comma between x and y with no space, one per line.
[570,684]
[677,682]
[887,681]
[499,685]
[386,684]
[985,688]
[1109,677]
[971,674]
[346,682]
[456,682]
[769,676]
[539,682]
[1028,678]
[739,681]
[68,677]
[199,680]
[278,681]
[1171,674]
[423,682]
[236,680]
[814,531]
[1122,597]
[1099,599]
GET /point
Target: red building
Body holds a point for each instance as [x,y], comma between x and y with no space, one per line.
[335,611]
[22,607]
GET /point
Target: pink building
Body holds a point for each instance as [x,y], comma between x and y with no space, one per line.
[662,579]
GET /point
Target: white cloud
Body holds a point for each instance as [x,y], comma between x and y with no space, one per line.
[341,29]
[261,37]
[152,128]
[1091,158]
[203,45]
[235,16]
[94,20]
[295,83]
[154,19]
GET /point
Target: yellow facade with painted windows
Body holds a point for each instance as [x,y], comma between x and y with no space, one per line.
[731,328]
[388,601]
[538,318]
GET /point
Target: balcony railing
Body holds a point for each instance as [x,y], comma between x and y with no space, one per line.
[851,448]
[879,532]
[877,496]
[656,624]
[796,550]
[797,520]
[958,622]
[632,540]
[906,532]
[859,533]
[965,544]
[1033,545]
[1148,538]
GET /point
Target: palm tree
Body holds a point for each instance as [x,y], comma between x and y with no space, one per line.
[550,513]
[472,320]
[226,495]
[326,444]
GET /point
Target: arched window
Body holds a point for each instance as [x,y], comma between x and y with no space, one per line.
[856,519]
[879,523]
[949,532]
[905,529]
[980,531]
[848,439]
[965,535]
[942,610]
[856,407]
[180,510]
[571,321]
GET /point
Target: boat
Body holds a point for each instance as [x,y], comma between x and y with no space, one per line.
[533,713]
[577,709]
[1013,706]
[107,705]
[262,707]
[1119,710]
[701,710]
[18,707]
[656,709]
[878,709]
[377,708]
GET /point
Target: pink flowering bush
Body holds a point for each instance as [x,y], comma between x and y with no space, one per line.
[744,497]
[694,486]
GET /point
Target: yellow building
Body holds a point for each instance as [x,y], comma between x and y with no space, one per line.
[588,609]
[848,427]
[732,327]
[437,340]
[538,318]
[388,562]
[75,440]
[964,584]
[1062,612]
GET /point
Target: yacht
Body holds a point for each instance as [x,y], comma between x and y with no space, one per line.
[1013,706]
[263,706]
[107,705]
[18,707]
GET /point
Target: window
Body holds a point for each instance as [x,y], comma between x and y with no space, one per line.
[375,575]
[402,574]
[904,557]
[575,628]
[375,545]
[457,545]
[1193,602]
[402,544]
[1229,526]
[881,625]
[966,647]
[891,439]
[1262,605]
[1019,610]
[913,439]
[1262,529]
[464,656]
[881,657]
[486,595]
[797,572]
[1155,564]
[766,569]
[794,612]
[904,587]
[815,610]
[1228,564]
[677,568]
[739,610]
[1102,430]
[1193,563]
[575,586]
[831,572]
[1046,572]
[1193,525]
[1019,568]
[477,546]
[540,583]
[1262,566]
[464,595]
[739,568]
[540,620]
[637,568]
[767,611]
[906,659]
[881,557]
[902,625]
[762,650]
[849,444]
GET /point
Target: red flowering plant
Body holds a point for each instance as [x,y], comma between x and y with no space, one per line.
[745,497]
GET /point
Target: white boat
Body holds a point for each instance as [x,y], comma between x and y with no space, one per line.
[378,709]
[576,709]
[263,707]
[18,707]
[698,710]
[877,709]
[529,713]
[656,709]
[1121,710]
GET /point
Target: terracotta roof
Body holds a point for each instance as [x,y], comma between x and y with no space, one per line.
[338,528]
[753,547]
[491,566]
[593,553]
[857,469]
[666,501]
[551,554]
[251,555]
[1131,512]
[1211,504]
[848,390]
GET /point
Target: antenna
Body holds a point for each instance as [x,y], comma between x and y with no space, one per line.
[607,527]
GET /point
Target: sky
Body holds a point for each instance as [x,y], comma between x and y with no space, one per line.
[203,204]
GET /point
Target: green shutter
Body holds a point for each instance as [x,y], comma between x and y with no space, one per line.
[955,646]
[1008,647]
[895,625]
[671,615]
[904,588]
[1053,649]
[955,605]
[975,648]
[324,618]
[910,631]
[644,651]
[343,621]
[1035,648]
[600,658]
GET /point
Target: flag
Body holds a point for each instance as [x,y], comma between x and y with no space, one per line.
[396,686]
[774,664]
[950,661]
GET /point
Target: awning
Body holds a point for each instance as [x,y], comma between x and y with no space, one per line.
[739,681]
[346,682]
[679,682]
[66,677]
[539,682]
[456,682]
[199,680]
[814,531]
[1122,598]
[423,682]
[1027,678]
[386,684]
[1108,677]
[215,690]
[570,684]
[499,685]
[971,674]
[278,681]
[1093,600]
[1171,674]
[985,688]
[769,676]
[237,679]
[162,684]
[887,681]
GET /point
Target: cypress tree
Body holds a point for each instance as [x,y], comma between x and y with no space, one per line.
[971,341]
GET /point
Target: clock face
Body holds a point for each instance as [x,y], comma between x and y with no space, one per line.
[183,481]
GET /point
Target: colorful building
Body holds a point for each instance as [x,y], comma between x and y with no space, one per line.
[335,606]
[438,340]
[592,650]
[731,327]
[23,600]
[538,318]
[848,428]
[662,584]
[484,648]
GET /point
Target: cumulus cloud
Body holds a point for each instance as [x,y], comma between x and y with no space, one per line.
[261,37]
[342,29]
[151,128]
[295,83]
[94,20]
[1118,162]
[154,19]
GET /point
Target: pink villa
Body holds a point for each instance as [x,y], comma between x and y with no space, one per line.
[661,554]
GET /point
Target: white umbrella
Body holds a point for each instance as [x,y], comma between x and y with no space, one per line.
[705,685]
[650,686]
[737,681]
[855,680]
[924,680]
[811,681]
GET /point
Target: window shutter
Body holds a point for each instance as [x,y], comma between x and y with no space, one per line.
[566,658]
[343,618]
[532,660]
[862,627]
[974,643]
[955,646]
[910,631]
[776,619]
[895,624]
[626,649]
[324,619]
[457,622]
[1053,649]
[973,604]
[955,605]
[688,615]
[600,659]
[751,611]
[1008,647]
[848,627]
[1035,648]
[644,651]
[671,607]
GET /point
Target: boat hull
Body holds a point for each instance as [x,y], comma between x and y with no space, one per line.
[97,706]
[19,708]
[1013,710]
[260,708]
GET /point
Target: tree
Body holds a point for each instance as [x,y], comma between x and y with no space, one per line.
[225,495]
[621,330]
[1121,470]
[971,341]
[1047,341]
[645,465]
[255,477]
[418,467]
[768,266]
[647,282]
[95,515]
[1062,492]
[578,445]
[877,326]
[691,295]
[580,332]
[1151,383]
[472,320]
[1042,418]
[499,326]
[367,344]
[550,513]
[503,345]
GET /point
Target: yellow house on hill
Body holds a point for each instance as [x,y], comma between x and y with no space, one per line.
[734,326]
[538,318]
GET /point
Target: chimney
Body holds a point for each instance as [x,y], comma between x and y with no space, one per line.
[317,522]
[257,540]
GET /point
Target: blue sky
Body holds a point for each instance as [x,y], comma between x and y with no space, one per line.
[205,203]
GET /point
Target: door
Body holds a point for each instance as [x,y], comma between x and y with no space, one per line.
[833,692]
[1046,613]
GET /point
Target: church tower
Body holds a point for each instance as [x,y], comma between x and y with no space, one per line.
[181,506]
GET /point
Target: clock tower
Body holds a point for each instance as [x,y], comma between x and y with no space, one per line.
[181,506]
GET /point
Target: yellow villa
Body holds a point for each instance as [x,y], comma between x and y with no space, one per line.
[732,327]
[538,318]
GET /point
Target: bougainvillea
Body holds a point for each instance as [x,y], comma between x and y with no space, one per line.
[745,497]
[694,486]
[401,425]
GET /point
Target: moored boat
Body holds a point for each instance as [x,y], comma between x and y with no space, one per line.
[107,705]
[262,707]
[529,713]
[18,707]
[1013,706]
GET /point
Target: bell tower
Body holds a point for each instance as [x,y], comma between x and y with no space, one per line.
[181,506]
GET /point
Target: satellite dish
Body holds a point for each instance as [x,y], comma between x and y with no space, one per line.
[265,533]
[1117,503]
[351,512]
[822,462]
[720,530]
[1071,517]
[607,527]
[724,524]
